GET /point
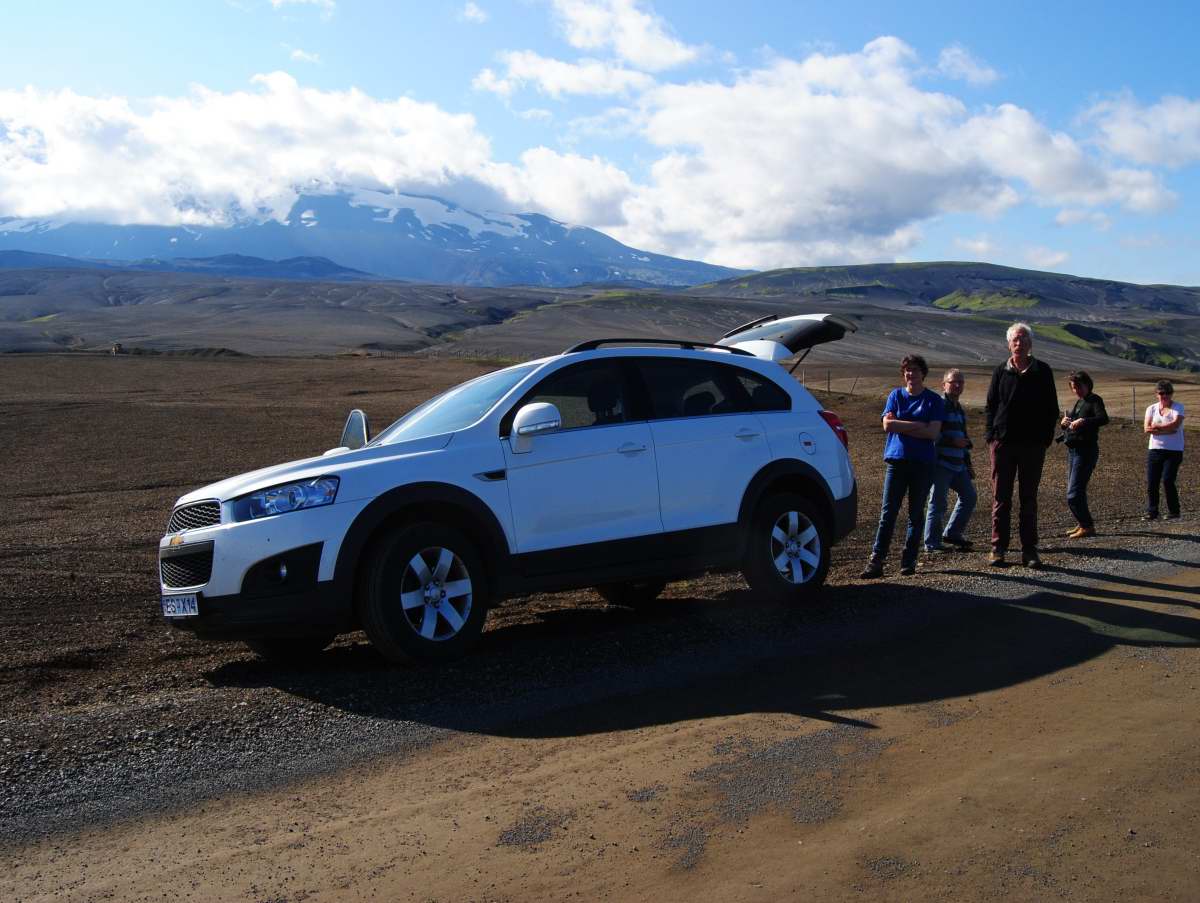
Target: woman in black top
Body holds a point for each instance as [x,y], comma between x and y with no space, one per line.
[1081,432]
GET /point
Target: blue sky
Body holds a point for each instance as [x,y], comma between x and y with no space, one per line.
[1061,136]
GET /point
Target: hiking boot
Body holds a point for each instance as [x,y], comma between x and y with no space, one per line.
[1173,516]
[1031,560]
[936,550]
[907,570]
[873,570]
[996,559]
[1083,532]
[1150,516]
[1070,534]
[963,545]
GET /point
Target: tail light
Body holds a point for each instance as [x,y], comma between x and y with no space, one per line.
[835,424]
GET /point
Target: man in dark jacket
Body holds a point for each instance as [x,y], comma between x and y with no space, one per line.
[1022,412]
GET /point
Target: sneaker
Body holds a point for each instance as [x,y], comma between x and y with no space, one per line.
[907,570]
[963,545]
[873,570]
[996,560]
[1031,561]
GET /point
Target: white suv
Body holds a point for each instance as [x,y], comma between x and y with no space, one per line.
[619,464]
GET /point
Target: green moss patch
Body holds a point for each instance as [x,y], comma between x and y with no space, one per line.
[960,300]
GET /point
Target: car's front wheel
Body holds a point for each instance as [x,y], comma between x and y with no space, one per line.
[787,554]
[424,595]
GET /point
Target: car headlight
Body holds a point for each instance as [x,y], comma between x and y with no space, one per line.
[285,498]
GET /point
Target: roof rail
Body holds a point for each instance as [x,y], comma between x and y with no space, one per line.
[593,344]
[767,319]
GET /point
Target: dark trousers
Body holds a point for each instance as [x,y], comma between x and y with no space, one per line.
[903,478]
[1014,462]
[1162,464]
[1081,461]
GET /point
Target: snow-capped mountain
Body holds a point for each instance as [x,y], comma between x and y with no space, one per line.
[404,236]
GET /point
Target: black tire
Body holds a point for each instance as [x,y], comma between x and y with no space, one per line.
[633,594]
[291,649]
[411,615]
[803,547]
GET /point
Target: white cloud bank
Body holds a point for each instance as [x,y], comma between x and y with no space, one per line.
[833,158]
[636,35]
[473,13]
[956,62]
[556,78]
[1166,133]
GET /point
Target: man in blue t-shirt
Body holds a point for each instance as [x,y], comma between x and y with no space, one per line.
[912,420]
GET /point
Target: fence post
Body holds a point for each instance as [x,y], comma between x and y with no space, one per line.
[828,388]
[1135,404]
[854,384]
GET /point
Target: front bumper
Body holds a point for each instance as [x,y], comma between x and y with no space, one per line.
[280,596]
[313,611]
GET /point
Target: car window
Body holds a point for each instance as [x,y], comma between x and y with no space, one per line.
[589,394]
[687,388]
[764,394]
[455,408]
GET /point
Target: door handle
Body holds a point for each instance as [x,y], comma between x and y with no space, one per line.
[631,448]
[746,433]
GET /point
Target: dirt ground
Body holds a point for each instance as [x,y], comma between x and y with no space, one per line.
[1021,735]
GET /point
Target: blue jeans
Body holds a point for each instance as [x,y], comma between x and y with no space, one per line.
[944,480]
[1081,461]
[903,478]
[1162,465]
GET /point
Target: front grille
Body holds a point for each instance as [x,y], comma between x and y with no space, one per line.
[189,517]
[188,569]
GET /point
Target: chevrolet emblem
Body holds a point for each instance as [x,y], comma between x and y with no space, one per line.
[176,540]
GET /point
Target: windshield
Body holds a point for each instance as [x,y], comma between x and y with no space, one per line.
[455,408]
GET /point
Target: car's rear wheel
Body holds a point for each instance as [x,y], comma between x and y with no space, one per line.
[290,649]
[787,554]
[424,595]
[633,593]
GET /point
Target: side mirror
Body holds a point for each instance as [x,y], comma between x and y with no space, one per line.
[533,420]
[356,432]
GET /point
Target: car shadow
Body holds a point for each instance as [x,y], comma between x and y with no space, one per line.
[578,672]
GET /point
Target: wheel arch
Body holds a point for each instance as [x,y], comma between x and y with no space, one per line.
[786,475]
[441,502]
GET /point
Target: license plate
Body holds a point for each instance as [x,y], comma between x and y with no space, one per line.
[180,606]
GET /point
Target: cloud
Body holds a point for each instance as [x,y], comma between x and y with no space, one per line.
[1046,258]
[980,246]
[1101,221]
[841,157]
[556,78]
[472,13]
[196,158]
[1164,134]
[303,56]
[326,6]
[956,61]
[575,188]
[635,35]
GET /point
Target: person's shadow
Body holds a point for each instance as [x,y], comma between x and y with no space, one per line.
[580,671]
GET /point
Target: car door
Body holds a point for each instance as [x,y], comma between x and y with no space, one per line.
[708,443]
[592,481]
